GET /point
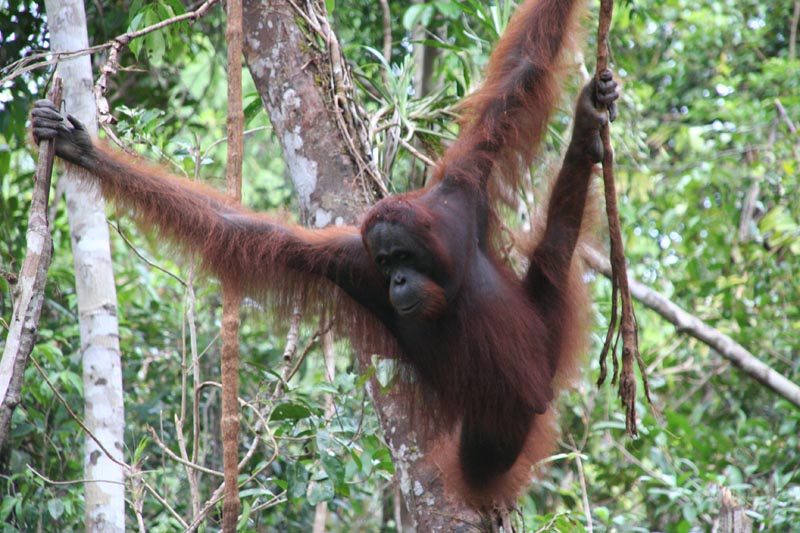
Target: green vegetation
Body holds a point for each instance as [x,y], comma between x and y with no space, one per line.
[707,169]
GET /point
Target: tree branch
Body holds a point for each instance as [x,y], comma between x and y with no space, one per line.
[37,61]
[32,279]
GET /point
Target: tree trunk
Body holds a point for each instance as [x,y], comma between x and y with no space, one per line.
[97,298]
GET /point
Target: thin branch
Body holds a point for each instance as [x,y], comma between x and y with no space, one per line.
[111,66]
[311,342]
[277,499]
[37,61]
[153,492]
[224,139]
[587,511]
[782,111]
[76,418]
[290,351]
[189,318]
[71,481]
[132,247]
[217,495]
[416,153]
[182,460]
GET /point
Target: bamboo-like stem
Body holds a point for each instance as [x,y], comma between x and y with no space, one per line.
[231,291]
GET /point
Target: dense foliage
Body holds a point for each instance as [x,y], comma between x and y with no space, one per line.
[707,155]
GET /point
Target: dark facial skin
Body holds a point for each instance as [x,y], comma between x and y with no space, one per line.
[407,268]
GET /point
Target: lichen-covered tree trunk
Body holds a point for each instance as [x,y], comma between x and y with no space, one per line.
[310,103]
[97,297]
[291,77]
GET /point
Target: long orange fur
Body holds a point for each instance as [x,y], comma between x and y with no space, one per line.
[493,359]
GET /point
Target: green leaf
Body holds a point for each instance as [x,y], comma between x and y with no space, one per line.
[55,507]
[602,513]
[290,411]
[334,467]
[297,479]
[417,14]
[7,506]
[320,491]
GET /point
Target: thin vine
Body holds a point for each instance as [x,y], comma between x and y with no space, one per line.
[620,324]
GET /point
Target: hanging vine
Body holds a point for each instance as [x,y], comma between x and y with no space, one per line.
[620,324]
